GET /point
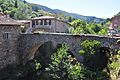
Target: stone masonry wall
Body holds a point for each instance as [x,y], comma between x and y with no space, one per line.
[29,43]
[9,45]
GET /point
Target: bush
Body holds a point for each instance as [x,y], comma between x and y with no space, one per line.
[65,67]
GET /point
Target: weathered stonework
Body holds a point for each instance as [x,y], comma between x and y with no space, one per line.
[9,45]
[29,43]
[20,48]
[47,24]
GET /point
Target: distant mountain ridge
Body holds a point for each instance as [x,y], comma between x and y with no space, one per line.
[74,15]
[81,17]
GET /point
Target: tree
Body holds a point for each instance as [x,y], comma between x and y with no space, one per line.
[64,67]
[70,19]
[114,66]
[16,8]
[81,27]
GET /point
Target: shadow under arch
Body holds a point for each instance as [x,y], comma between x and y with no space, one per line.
[43,53]
[33,51]
[101,58]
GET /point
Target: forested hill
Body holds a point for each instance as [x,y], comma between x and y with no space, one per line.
[81,17]
[20,9]
[63,14]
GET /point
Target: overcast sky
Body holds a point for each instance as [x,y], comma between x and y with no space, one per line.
[98,8]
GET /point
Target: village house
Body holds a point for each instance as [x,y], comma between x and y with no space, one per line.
[47,24]
[9,31]
[114,28]
[8,26]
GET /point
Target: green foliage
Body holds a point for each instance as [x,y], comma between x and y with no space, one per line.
[92,56]
[79,26]
[82,52]
[77,23]
[37,65]
[89,46]
[102,32]
[88,28]
[114,65]
[89,52]
[76,71]
[64,67]
[16,8]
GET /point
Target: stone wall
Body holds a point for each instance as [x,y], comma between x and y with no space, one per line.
[9,45]
[29,43]
[22,47]
[115,21]
[56,26]
[61,27]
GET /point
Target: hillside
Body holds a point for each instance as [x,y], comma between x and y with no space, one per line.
[66,14]
[81,17]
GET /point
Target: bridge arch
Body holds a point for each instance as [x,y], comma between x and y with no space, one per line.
[31,52]
[103,55]
[30,43]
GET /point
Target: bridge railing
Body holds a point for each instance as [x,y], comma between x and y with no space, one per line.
[49,33]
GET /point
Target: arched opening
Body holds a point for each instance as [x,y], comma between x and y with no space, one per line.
[100,59]
[43,53]
[103,56]
[43,56]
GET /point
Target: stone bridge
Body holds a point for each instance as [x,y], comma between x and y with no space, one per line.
[29,43]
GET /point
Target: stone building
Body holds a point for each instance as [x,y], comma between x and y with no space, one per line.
[25,24]
[47,24]
[9,31]
[114,28]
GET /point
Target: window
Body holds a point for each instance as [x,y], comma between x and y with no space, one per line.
[5,36]
[36,22]
[45,22]
[33,23]
[41,22]
[49,22]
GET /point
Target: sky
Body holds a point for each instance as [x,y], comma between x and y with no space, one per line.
[98,8]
